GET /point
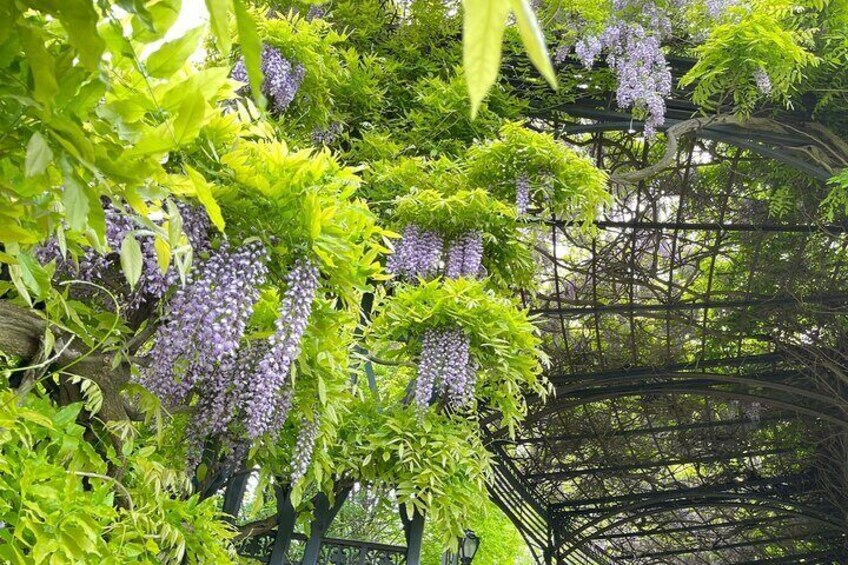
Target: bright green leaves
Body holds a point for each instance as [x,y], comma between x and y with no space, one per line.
[204,194]
[171,56]
[251,49]
[38,155]
[483,29]
[76,204]
[482,37]
[70,505]
[761,37]
[189,119]
[79,19]
[219,20]
[533,39]
[131,259]
[41,64]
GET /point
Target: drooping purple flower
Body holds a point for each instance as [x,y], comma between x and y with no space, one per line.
[716,8]
[445,367]
[326,136]
[267,397]
[282,79]
[465,255]
[763,81]
[587,50]
[205,321]
[304,448]
[522,194]
[634,53]
[561,53]
[429,366]
[153,283]
[417,254]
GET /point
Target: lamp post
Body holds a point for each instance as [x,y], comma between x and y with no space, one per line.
[468,547]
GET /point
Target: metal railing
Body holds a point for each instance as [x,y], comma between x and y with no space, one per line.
[333,551]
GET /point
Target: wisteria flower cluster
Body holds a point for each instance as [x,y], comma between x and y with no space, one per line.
[445,367]
[282,79]
[205,321]
[465,256]
[522,194]
[634,52]
[417,254]
[303,448]
[268,403]
[200,349]
[763,81]
[327,136]
[153,283]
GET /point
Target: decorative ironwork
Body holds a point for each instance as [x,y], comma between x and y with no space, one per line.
[333,551]
[699,350]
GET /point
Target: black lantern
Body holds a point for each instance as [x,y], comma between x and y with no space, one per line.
[468,547]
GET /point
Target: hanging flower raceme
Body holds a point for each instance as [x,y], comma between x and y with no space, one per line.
[465,256]
[522,194]
[205,321]
[153,283]
[635,54]
[303,448]
[763,81]
[417,254]
[445,367]
[282,79]
[269,401]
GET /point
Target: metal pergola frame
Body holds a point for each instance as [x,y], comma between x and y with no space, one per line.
[699,353]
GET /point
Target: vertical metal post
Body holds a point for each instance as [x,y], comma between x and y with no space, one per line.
[286,517]
[234,494]
[323,515]
[413,529]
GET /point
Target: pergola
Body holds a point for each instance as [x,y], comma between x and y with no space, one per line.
[698,346]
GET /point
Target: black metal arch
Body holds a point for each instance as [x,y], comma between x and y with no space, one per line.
[699,348]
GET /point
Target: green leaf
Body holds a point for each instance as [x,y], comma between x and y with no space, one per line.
[38,155]
[219,15]
[163,253]
[204,194]
[482,35]
[533,39]
[34,276]
[251,50]
[189,118]
[76,204]
[171,56]
[131,259]
[41,64]
[79,19]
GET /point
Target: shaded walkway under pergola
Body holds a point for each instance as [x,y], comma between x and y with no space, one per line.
[699,353]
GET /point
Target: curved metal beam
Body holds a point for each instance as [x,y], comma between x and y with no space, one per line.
[710,499]
[558,406]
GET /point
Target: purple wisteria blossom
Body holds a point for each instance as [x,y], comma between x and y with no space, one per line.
[96,267]
[269,400]
[205,321]
[417,254]
[522,194]
[282,79]
[634,52]
[716,8]
[763,81]
[304,448]
[445,367]
[465,255]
